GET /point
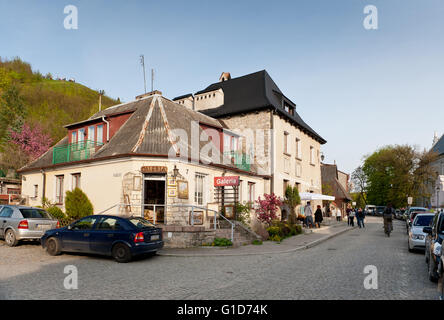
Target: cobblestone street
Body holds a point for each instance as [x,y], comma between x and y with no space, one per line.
[331,270]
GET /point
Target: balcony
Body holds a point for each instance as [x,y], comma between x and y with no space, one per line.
[82,150]
[239,159]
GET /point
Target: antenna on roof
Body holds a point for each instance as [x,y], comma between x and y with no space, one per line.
[101,93]
[152,80]
[142,62]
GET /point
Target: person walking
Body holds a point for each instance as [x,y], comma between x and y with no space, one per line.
[352,218]
[318,217]
[360,217]
[338,215]
[308,214]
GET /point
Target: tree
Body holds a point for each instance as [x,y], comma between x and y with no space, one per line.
[395,172]
[359,180]
[292,199]
[12,113]
[31,140]
[77,204]
[266,212]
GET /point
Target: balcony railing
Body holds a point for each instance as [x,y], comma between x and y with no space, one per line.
[82,150]
[239,159]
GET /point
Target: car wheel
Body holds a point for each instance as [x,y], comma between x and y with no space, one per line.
[432,276]
[10,238]
[121,253]
[53,247]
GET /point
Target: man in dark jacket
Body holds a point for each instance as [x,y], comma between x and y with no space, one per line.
[388,216]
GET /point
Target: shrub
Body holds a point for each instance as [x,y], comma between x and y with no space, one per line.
[77,204]
[276,238]
[222,242]
[56,212]
[283,230]
[256,242]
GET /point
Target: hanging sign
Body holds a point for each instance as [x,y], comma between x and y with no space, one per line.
[226,181]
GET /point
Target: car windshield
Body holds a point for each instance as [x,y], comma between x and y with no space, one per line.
[34,213]
[141,223]
[423,221]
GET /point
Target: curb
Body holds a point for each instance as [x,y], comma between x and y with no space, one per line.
[306,246]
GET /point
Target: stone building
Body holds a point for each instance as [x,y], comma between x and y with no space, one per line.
[337,182]
[276,138]
[436,188]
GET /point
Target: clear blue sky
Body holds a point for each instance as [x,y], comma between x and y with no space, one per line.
[359,89]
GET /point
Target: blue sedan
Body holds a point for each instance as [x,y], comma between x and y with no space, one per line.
[121,238]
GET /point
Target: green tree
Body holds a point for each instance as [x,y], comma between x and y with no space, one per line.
[292,199]
[12,113]
[77,204]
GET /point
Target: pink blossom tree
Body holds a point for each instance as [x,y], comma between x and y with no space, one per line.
[266,211]
[32,141]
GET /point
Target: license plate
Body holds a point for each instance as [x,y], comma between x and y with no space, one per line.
[155,237]
[44,227]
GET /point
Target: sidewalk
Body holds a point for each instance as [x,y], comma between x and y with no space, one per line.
[295,243]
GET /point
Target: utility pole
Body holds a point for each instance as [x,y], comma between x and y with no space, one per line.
[152,80]
[142,62]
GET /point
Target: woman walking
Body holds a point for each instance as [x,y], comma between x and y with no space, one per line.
[318,217]
[351,218]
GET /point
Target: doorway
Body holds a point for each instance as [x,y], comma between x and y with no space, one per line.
[154,192]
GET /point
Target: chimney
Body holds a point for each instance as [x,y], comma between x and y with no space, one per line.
[224,76]
[435,138]
[152,93]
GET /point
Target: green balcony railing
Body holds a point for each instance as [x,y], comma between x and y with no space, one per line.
[82,150]
[239,159]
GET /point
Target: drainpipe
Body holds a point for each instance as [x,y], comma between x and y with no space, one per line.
[272,152]
[107,128]
[44,184]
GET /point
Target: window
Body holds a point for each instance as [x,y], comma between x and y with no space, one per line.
[74,137]
[91,133]
[36,190]
[312,155]
[109,224]
[75,180]
[251,192]
[298,149]
[298,170]
[285,186]
[6,212]
[199,188]
[241,184]
[34,214]
[84,224]
[100,133]
[81,135]
[59,189]
[286,142]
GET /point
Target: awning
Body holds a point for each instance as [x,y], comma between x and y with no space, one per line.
[315,196]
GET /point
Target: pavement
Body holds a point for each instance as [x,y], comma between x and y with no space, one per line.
[308,239]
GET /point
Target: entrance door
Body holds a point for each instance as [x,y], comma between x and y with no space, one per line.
[154,197]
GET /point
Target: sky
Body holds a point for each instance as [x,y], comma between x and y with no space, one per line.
[359,89]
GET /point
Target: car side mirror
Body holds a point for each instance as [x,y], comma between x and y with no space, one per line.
[427,230]
[69,228]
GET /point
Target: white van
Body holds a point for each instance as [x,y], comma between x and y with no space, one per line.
[370,209]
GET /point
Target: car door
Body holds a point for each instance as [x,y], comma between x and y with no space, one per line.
[5,219]
[107,231]
[76,237]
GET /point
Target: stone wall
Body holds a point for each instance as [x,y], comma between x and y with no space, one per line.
[186,236]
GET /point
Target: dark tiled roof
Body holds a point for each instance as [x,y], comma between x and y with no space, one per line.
[439,146]
[329,174]
[254,92]
[183,97]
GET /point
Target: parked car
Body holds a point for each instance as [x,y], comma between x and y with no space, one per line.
[411,213]
[379,210]
[416,239]
[435,233]
[370,210]
[121,238]
[24,223]
[398,214]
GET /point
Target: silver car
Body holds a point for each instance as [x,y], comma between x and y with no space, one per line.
[417,236]
[24,223]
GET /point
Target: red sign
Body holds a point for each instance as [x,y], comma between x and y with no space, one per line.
[226,181]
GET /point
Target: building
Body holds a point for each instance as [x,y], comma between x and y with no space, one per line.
[436,188]
[281,144]
[169,161]
[10,190]
[337,182]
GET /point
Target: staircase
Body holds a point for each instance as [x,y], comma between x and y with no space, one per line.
[240,235]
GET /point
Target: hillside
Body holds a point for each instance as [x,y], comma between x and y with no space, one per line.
[28,97]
